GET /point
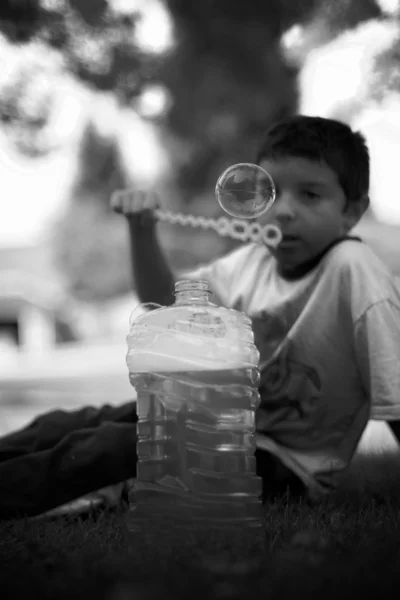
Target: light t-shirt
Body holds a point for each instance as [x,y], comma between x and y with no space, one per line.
[329,351]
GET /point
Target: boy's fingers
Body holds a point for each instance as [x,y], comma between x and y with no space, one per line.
[123,201]
[133,201]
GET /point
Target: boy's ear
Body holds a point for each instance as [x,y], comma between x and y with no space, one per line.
[355,210]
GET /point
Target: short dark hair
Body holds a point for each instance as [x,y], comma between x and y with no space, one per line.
[324,140]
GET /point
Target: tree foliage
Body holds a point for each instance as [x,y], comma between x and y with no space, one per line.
[96,42]
[226,77]
[92,251]
[91,243]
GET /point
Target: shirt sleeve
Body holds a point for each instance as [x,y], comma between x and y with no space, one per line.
[224,275]
[377,345]
[218,276]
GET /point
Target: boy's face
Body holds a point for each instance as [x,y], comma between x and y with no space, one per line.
[309,208]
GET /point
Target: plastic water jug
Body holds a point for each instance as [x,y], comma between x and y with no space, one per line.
[194,366]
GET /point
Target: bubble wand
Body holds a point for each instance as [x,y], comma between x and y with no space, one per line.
[244,191]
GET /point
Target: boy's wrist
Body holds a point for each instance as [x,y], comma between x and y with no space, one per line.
[143,220]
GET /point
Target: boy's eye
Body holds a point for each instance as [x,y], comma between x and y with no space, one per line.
[310,194]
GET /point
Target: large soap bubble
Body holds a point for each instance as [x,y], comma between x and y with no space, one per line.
[245,190]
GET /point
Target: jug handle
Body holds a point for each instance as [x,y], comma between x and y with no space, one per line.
[144,305]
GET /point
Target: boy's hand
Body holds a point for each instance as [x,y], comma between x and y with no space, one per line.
[135,205]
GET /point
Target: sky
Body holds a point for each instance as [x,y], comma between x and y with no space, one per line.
[36,192]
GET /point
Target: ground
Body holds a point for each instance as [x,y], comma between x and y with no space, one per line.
[347,547]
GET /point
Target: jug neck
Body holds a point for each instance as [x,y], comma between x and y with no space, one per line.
[192,292]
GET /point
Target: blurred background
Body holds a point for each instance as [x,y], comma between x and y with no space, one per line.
[99,95]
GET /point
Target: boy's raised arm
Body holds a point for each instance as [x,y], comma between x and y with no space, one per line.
[154,281]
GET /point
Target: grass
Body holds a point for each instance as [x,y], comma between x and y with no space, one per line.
[349,546]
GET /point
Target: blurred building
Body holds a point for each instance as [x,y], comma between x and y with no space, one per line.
[36,312]
[55,352]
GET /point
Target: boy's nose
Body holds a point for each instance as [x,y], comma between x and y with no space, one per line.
[283,207]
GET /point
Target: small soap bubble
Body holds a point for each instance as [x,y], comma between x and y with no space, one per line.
[245,191]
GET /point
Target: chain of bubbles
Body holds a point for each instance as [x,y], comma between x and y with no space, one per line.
[223,226]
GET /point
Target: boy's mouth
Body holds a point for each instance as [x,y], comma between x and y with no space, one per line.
[288,239]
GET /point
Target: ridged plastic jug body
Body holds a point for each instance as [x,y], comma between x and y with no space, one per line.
[194,368]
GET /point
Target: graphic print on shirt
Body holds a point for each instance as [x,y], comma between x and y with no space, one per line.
[289,389]
[270,330]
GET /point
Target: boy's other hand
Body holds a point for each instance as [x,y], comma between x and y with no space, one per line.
[135,205]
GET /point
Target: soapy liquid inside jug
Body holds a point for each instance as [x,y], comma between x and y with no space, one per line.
[196,396]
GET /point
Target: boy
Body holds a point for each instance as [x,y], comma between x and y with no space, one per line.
[325,310]
[326,318]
